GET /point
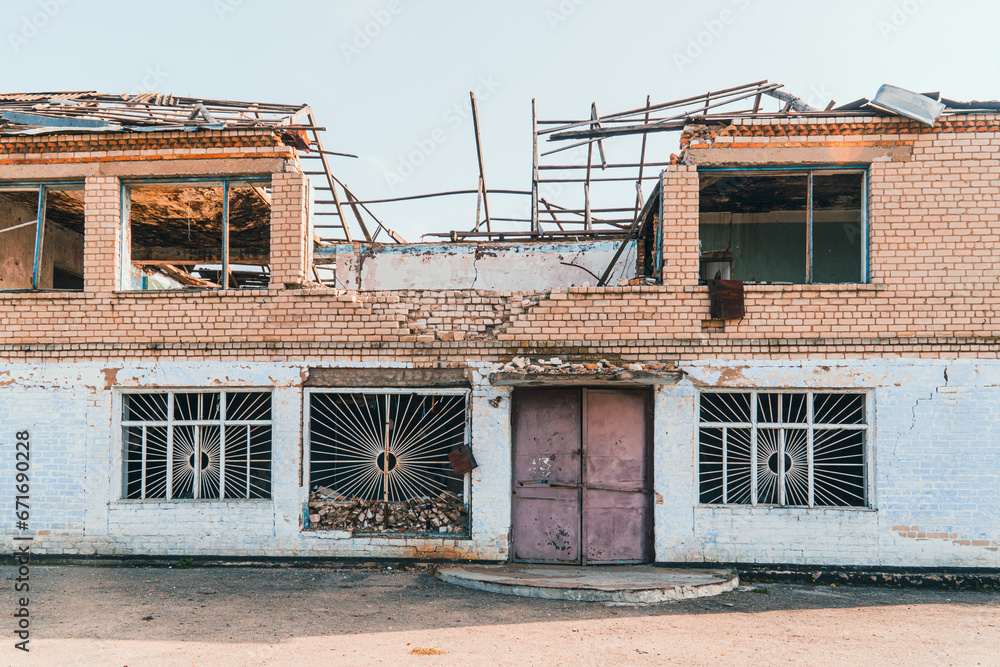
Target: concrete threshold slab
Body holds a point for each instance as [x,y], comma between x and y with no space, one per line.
[595,583]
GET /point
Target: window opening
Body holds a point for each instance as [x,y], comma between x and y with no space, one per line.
[804,449]
[805,226]
[199,235]
[47,256]
[378,462]
[196,445]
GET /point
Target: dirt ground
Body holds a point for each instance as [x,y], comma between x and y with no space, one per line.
[355,616]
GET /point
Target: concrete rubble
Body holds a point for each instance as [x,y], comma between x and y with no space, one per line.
[555,366]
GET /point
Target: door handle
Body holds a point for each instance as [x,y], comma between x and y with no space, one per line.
[545,482]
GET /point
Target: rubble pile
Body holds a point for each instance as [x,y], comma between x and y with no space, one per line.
[555,365]
[330,511]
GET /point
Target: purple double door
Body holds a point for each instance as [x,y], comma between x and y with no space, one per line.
[581,476]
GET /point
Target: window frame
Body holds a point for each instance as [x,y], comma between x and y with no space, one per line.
[170,423]
[307,482]
[810,172]
[43,187]
[754,425]
[224,182]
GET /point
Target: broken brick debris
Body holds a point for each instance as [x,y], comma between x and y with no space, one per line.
[328,510]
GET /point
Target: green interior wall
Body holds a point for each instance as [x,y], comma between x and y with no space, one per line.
[776,251]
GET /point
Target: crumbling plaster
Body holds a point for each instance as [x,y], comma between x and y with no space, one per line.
[520,266]
[76,463]
[933,457]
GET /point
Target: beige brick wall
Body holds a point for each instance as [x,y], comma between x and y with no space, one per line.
[935,264]
[102,242]
[680,228]
[291,250]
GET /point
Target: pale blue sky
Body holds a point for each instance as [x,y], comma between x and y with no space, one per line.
[386,98]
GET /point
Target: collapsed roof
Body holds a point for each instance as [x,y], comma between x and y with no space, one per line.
[87,111]
[52,112]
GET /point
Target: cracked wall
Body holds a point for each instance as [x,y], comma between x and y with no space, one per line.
[513,266]
[76,468]
[932,467]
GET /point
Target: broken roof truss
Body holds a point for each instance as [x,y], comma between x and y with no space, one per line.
[88,111]
[345,217]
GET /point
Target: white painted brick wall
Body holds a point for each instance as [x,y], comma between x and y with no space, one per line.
[935,462]
[76,472]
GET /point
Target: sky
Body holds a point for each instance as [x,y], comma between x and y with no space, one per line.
[390,79]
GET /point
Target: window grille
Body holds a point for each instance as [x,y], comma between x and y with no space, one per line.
[386,446]
[196,445]
[804,449]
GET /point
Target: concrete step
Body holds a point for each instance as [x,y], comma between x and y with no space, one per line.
[596,583]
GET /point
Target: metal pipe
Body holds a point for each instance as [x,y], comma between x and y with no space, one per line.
[534,167]
[479,154]
[224,275]
[39,237]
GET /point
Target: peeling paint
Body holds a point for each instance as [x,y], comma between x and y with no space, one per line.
[517,266]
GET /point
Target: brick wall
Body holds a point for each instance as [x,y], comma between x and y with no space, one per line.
[71,412]
[148,146]
[291,250]
[102,238]
[931,463]
[934,267]
[680,225]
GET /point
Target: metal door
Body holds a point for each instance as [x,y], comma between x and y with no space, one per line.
[617,523]
[580,476]
[546,494]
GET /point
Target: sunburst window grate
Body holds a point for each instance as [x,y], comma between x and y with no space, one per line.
[386,446]
[196,445]
[804,449]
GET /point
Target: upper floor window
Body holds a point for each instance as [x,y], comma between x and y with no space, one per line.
[200,234]
[772,226]
[41,236]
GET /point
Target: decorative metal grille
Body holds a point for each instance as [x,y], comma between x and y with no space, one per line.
[196,445]
[801,449]
[390,446]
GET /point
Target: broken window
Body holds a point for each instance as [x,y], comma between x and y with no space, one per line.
[47,255]
[379,461]
[207,235]
[804,226]
[186,445]
[781,448]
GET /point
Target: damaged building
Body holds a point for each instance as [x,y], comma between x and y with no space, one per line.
[783,350]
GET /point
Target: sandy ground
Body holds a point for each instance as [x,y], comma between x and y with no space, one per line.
[352,616]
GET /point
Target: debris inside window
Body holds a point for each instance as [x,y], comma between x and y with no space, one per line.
[49,257]
[378,462]
[201,235]
[797,227]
